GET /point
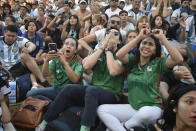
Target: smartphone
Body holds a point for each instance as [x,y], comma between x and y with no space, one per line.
[52,47]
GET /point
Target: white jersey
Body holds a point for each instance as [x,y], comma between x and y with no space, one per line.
[10,54]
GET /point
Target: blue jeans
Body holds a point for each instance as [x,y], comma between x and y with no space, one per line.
[89,97]
[49,92]
[24,83]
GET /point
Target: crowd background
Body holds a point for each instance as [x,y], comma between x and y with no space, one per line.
[85,32]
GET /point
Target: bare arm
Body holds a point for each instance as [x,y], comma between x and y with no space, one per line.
[175,56]
[114,66]
[70,73]
[166,11]
[87,39]
[122,53]
[90,61]
[164,90]
[45,69]
[6,115]
[64,34]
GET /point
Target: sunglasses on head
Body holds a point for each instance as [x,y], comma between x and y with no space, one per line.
[115,32]
[117,22]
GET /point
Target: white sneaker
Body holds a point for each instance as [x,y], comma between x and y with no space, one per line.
[34,87]
[40,128]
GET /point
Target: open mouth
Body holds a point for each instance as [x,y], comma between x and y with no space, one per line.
[67,51]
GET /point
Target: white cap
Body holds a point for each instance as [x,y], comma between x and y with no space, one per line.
[83,1]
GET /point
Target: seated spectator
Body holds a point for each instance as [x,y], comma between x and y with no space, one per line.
[171,79]
[82,12]
[157,22]
[113,8]
[16,59]
[126,25]
[114,22]
[145,68]
[131,35]
[105,85]
[65,65]
[41,18]
[23,15]
[180,109]
[6,11]
[54,29]
[104,18]
[32,35]
[175,17]
[10,20]
[135,12]
[72,28]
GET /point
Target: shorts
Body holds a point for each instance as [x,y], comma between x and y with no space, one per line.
[18,70]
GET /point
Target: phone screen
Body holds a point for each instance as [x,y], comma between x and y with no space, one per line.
[52,46]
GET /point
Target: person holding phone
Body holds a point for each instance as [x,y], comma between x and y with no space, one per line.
[104,88]
[64,64]
[144,71]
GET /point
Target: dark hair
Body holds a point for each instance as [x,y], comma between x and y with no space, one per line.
[51,16]
[70,37]
[169,116]
[123,11]
[184,0]
[11,28]
[29,4]
[28,22]
[157,54]
[152,22]
[24,7]
[67,3]
[6,5]
[77,26]
[13,19]
[105,26]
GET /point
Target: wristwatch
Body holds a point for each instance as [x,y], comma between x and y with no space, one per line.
[109,49]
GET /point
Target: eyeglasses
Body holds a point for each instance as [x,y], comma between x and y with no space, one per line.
[114,21]
[115,32]
[70,44]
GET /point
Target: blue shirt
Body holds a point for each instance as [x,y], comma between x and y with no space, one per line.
[4,28]
[37,40]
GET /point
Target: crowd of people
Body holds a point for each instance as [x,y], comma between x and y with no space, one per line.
[97,49]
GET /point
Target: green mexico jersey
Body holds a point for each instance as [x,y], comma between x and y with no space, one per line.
[60,75]
[143,83]
[102,78]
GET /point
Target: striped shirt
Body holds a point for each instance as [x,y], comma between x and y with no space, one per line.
[135,16]
[10,54]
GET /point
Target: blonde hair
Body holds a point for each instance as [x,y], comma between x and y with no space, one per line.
[139,20]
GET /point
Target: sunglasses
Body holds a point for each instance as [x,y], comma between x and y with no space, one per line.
[115,33]
[117,22]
